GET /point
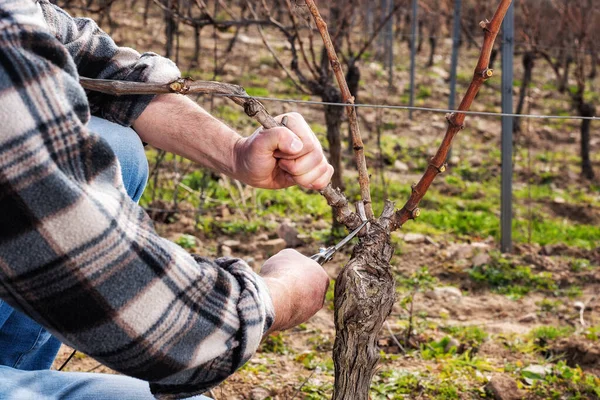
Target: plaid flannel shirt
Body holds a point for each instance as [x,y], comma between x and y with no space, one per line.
[76,254]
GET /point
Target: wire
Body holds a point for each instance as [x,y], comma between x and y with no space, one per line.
[400,107]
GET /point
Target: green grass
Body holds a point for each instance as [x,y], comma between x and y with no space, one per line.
[515,281]
[467,334]
[546,333]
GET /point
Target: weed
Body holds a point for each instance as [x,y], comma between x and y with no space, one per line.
[275,344]
[572,292]
[565,382]
[548,305]
[424,92]
[580,264]
[186,241]
[467,334]
[544,334]
[317,391]
[393,383]
[593,333]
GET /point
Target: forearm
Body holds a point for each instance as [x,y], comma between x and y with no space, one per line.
[176,124]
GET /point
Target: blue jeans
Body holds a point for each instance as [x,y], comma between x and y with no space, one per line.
[27,350]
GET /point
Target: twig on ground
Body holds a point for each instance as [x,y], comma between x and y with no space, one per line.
[394,338]
[317,369]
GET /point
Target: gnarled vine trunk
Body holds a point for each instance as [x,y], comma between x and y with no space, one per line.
[364,296]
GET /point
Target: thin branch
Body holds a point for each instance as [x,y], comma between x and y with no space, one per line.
[273,53]
[237,94]
[377,30]
[359,154]
[455,120]
[300,42]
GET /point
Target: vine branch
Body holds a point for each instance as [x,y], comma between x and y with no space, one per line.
[357,143]
[455,120]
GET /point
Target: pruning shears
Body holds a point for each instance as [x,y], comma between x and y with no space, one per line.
[326,254]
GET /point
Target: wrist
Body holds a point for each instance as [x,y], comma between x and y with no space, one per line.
[237,157]
[281,305]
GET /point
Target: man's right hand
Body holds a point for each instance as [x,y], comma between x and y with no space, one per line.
[297,285]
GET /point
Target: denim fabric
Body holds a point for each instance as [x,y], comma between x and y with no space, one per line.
[23,343]
[54,385]
[128,147]
[27,350]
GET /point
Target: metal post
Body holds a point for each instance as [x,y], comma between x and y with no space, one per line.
[390,43]
[454,62]
[455,48]
[413,53]
[382,38]
[508,35]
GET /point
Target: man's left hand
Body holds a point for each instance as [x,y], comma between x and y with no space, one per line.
[281,157]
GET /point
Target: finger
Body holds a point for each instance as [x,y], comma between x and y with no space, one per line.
[279,140]
[304,164]
[317,175]
[324,180]
[297,124]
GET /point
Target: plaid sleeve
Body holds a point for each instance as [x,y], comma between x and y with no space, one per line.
[79,257]
[97,56]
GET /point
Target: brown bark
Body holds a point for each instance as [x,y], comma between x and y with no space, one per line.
[364,296]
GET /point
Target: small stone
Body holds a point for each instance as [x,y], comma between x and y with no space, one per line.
[414,238]
[444,292]
[259,393]
[429,240]
[481,259]
[272,247]
[460,251]
[223,211]
[531,317]
[290,234]
[263,237]
[226,251]
[233,244]
[559,200]
[480,245]
[401,166]
[321,224]
[502,387]
[454,160]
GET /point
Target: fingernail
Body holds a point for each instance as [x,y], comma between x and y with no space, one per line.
[296,145]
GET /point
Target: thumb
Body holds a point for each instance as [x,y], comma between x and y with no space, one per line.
[282,139]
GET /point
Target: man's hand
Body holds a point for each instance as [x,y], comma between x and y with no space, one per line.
[281,157]
[297,285]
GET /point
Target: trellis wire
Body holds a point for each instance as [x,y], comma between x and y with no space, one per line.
[415,108]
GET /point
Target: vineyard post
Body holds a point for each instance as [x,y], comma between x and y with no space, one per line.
[455,49]
[508,36]
[454,62]
[413,54]
[390,45]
